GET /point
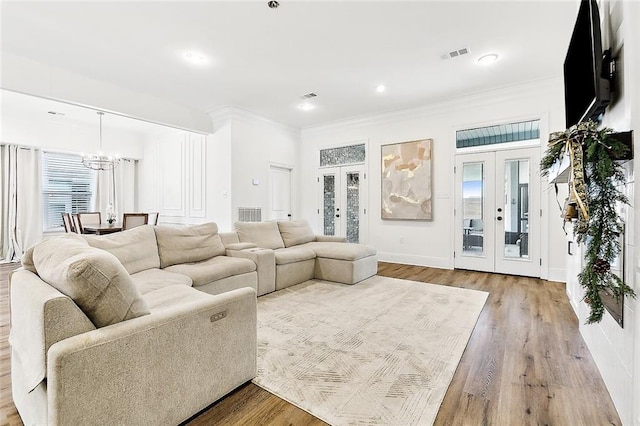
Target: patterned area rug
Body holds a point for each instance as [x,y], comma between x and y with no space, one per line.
[381,352]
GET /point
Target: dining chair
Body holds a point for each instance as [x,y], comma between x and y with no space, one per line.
[68,224]
[131,220]
[76,224]
[88,218]
[153,218]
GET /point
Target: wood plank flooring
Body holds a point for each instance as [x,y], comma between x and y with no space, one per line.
[525,364]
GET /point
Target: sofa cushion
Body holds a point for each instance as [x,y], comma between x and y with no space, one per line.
[340,251]
[293,255]
[173,295]
[95,279]
[135,248]
[295,232]
[184,244]
[153,279]
[263,234]
[214,269]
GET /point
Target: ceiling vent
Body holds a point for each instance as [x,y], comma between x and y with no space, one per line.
[308,96]
[456,53]
[61,114]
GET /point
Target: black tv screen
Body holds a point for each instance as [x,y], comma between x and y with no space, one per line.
[586,92]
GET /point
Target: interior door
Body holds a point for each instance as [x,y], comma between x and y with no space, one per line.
[497,212]
[343,202]
[279,193]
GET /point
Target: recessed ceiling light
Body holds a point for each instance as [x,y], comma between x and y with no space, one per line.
[195,58]
[488,59]
[306,106]
[381,88]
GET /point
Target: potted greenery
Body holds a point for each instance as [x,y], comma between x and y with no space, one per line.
[594,182]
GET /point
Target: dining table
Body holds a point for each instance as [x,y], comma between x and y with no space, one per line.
[102,228]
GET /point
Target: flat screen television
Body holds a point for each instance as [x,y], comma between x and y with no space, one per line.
[586,91]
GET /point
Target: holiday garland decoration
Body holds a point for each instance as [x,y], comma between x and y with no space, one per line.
[595,177]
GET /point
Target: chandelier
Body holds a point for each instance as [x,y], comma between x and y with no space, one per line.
[100,161]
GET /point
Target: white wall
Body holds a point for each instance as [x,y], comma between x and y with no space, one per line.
[256,144]
[28,76]
[431,243]
[616,350]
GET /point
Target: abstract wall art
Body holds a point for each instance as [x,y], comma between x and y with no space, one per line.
[406,180]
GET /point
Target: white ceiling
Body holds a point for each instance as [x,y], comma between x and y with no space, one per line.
[263,60]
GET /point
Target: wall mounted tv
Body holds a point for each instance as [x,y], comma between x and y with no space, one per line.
[586,89]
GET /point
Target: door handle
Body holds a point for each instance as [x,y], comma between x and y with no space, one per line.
[499,217]
[337,215]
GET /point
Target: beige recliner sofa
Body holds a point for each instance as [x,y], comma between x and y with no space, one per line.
[111,330]
[299,255]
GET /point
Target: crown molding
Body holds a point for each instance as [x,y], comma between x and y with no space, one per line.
[476,99]
[226,113]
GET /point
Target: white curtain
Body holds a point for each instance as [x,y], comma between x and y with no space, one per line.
[21,203]
[117,187]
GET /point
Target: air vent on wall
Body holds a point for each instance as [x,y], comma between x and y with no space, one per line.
[249,214]
[456,53]
[308,96]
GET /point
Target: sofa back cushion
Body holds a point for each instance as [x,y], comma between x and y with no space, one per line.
[135,248]
[263,234]
[296,232]
[188,244]
[94,279]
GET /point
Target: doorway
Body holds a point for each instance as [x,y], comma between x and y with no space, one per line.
[343,202]
[279,193]
[497,212]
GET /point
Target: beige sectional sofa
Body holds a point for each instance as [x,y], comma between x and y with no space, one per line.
[300,255]
[113,329]
[153,324]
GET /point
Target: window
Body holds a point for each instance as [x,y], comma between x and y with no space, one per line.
[67,186]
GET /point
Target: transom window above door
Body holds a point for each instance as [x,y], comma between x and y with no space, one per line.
[501,133]
[342,155]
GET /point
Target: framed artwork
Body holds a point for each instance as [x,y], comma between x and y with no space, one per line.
[406,180]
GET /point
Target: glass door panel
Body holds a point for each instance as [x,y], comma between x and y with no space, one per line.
[329,204]
[472,209]
[516,209]
[353,207]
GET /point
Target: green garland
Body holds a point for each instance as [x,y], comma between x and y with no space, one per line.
[595,180]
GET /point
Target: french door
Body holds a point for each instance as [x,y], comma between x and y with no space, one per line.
[497,212]
[342,202]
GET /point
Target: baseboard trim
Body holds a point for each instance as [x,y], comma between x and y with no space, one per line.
[409,259]
[557,274]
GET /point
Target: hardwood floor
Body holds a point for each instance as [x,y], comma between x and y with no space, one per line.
[525,364]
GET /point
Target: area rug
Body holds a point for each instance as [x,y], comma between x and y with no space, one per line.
[381,352]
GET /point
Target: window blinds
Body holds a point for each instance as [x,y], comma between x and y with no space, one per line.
[67,186]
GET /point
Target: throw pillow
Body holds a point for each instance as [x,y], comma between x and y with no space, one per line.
[296,232]
[188,244]
[94,279]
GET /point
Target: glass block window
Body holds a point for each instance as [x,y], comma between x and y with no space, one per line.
[343,155]
[503,133]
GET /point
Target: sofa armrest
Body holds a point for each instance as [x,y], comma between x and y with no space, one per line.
[330,239]
[241,246]
[265,261]
[40,317]
[156,369]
